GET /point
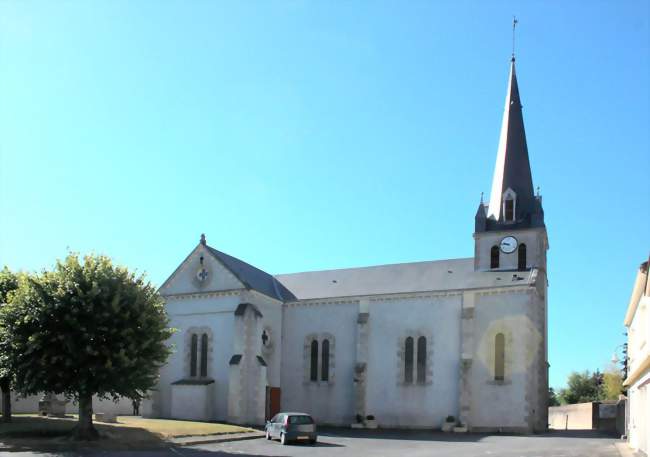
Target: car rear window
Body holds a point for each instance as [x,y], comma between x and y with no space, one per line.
[300,420]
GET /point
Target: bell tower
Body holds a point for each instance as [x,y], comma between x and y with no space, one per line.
[510,233]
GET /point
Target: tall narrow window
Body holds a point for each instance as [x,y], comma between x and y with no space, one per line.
[325,362]
[509,209]
[193,353]
[522,257]
[499,357]
[313,372]
[422,360]
[204,355]
[408,360]
[494,257]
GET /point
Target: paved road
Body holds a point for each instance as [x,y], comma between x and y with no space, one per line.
[348,443]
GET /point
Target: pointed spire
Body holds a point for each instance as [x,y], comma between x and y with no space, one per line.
[512,169]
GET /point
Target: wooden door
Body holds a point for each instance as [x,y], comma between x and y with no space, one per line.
[272,401]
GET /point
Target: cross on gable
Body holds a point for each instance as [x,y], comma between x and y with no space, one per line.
[203,274]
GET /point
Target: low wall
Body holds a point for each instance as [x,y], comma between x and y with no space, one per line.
[581,416]
[608,416]
[29,404]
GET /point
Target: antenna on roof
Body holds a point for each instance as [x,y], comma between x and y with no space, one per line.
[514,24]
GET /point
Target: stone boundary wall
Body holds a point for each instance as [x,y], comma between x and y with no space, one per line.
[608,416]
[581,416]
[29,405]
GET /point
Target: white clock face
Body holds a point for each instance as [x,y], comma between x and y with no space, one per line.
[508,244]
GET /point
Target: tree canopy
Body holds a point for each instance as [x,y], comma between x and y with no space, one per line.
[612,385]
[582,387]
[8,283]
[86,328]
[586,386]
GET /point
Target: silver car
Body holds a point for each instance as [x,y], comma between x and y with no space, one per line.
[291,427]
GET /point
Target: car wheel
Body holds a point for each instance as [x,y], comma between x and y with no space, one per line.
[283,439]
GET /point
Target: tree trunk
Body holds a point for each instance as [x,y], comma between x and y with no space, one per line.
[84,429]
[6,400]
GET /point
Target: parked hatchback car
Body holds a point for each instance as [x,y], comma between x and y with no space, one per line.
[291,427]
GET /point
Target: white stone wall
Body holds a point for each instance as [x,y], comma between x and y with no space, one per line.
[328,402]
[248,378]
[29,405]
[272,321]
[185,281]
[389,399]
[513,402]
[216,312]
[534,239]
[639,404]
[192,402]
[639,391]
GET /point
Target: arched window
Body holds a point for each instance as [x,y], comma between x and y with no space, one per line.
[325,362]
[313,372]
[522,257]
[499,357]
[408,360]
[204,355]
[494,257]
[193,353]
[509,207]
[422,360]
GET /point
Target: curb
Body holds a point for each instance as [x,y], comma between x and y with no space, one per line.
[218,439]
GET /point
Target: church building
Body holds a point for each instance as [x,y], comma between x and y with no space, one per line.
[409,343]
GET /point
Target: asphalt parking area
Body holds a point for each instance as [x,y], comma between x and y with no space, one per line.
[349,443]
[382,443]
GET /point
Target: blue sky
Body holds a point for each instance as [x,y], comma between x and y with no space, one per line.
[314,135]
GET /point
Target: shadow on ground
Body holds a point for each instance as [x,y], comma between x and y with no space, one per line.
[437,435]
[579,434]
[47,434]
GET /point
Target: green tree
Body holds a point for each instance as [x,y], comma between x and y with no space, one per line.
[8,283]
[612,385]
[552,398]
[582,387]
[86,328]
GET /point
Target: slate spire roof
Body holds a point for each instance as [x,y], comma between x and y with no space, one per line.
[512,168]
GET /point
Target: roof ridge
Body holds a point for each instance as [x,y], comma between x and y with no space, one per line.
[375,266]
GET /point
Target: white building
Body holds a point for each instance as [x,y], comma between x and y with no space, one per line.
[408,343]
[637,321]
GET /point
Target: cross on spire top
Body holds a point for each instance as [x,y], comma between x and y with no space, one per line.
[514,24]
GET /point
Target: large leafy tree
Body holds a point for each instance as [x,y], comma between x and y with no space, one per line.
[612,383]
[86,328]
[8,283]
[582,387]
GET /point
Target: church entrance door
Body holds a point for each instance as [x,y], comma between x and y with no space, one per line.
[272,401]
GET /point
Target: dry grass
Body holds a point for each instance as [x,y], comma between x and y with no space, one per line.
[33,432]
[177,428]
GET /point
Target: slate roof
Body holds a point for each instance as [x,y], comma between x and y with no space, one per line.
[253,277]
[441,275]
[512,168]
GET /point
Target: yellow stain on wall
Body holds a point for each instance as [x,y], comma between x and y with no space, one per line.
[522,340]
